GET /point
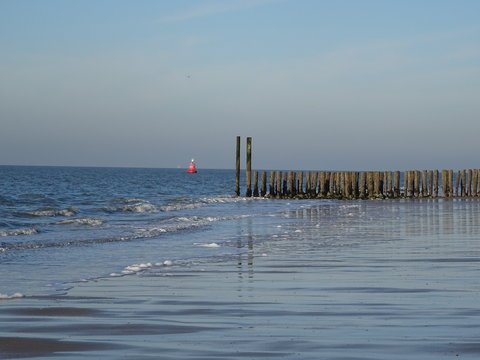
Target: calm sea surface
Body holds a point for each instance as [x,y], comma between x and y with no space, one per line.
[158,263]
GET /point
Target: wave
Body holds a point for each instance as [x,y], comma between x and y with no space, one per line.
[82,221]
[137,205]
[13,296]
[49,212]
[182,223]
[192,203]
[131,205]
[172,225]
[15,232]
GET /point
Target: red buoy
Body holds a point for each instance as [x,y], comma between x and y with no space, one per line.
[192,168]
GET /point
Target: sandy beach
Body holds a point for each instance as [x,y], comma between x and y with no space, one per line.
[405,292]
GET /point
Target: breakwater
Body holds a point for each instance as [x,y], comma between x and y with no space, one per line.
[356,184]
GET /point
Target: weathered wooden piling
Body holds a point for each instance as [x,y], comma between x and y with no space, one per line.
[314,186]
[249,167]
[470,183]
[272,189]
[463,183]
[237,168]
[430,183]
[255,184]
[475,183]
[279,184]
[396,184]
[307,182]
[363,185]
[424,184]
[357,185]
[263,190]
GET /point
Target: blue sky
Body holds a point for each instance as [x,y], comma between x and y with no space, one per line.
[357,85]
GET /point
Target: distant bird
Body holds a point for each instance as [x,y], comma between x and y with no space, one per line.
[189,76]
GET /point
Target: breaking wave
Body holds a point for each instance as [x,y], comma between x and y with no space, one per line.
[170,225]
[49,212]
[191,203]
[13,296]
[15,232]
[82,221]
[131,205]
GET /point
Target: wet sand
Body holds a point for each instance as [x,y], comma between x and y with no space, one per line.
[406,291]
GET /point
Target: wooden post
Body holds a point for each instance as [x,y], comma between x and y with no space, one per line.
[370,184]
[289,184]
[263,190]
[237,168]
[331,185]
[444,183]
[327,184]
[272,183]
[346,185]
[411,183]
[321,184]
[406,182]
[388,184]
[417,184]
[424,183]
[450,182]
[464,183]
[313,187]
[475,183]
[363,185]
[294,180]
[278,192]
[396,184]
[338,183]
[284,183]
[470,183]
[255,184]
[435,183]
[430,188]
[300,183]
[355,184]
[376,184]
[307,183]
[249,167]
[458,182]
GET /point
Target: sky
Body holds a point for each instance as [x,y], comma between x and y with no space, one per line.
[317,84]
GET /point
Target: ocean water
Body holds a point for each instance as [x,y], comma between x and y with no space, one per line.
[157,263]
[62,225]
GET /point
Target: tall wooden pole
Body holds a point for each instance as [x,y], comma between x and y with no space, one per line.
[249,167]
[237,171]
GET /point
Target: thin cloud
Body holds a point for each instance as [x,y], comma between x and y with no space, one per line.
[214,8]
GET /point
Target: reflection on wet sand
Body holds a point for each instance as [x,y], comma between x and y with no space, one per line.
[385,279]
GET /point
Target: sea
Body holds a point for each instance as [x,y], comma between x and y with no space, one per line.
[62,225]
[158,261]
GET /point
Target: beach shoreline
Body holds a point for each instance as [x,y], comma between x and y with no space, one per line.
[372,289]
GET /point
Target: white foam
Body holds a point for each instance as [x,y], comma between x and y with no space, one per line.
[211,245]
[53,212]
[15,232]
[82,221]
[140,207]
[135,268]
[13,296]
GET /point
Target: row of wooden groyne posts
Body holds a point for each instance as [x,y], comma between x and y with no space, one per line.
[357,184]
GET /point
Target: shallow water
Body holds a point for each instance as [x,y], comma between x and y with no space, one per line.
[389,279]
